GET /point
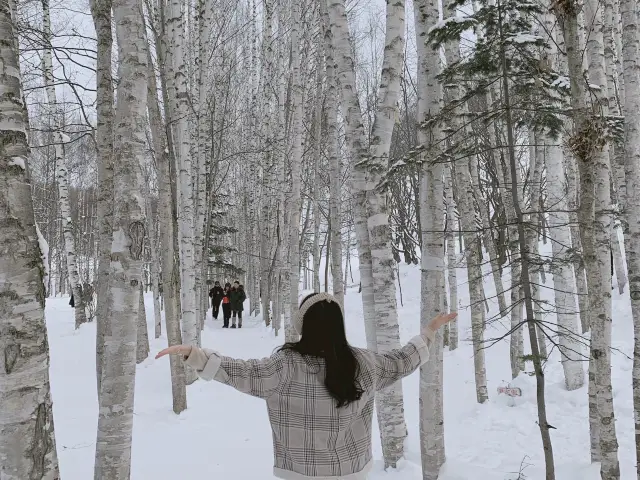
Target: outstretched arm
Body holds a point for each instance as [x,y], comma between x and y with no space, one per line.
[397,364]
[259,378]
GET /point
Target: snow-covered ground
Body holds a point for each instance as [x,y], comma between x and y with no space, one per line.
[225,435]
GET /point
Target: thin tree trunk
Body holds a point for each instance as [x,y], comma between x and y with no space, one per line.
[142,350]
[464,186]
[432,263]
[170,274]
[179,99]
[335,174]
[525,276]
[296,161]
[101,12]
[62,173]
[452,260]
[563,279]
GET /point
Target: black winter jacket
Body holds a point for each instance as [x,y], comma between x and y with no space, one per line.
[237,297]
[216,294]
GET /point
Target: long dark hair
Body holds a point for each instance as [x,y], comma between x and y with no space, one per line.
[323,336]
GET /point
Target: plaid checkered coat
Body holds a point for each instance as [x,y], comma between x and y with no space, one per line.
[312,438]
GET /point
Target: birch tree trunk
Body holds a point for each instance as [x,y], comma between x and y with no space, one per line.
[142,350]
[182,145]
[170,274]
[155,262]
[101,12]
[390,408]
[452,262]
[382,262]
[432,263]
[27,441]
[464,186]
[297,91]
[489,244]
[62,174]
[593,164]
[563,279]
[335,175]
[631,73]
[616,158]
[115,419]
[595,203]
[560,236]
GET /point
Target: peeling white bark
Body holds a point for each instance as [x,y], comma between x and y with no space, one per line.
[27,442]
[115,418]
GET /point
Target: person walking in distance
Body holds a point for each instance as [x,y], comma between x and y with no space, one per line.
[237,303]
[216,294]
[226,305]
[319,391]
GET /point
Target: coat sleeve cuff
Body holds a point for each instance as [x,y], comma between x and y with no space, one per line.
[421,346]
[205,362]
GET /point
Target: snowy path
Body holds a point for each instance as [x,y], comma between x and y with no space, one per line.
[225,435]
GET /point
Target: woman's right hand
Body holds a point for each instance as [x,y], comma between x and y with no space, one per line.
[184,350]
[440,320]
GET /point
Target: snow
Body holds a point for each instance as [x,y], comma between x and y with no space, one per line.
[226,435]
[521,38]
[18,162]
[44,250]
[64,137]
[562,82]
[443,23]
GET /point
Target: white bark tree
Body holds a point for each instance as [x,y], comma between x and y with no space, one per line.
[560,237]
[297,94]
[432,262]
[115,419]
[179,110]
[464,190]
[596,239]
[62,173]
[27,442]
[452,258]
[170,274]
[377,271]
[631,111]
[592,157]
[335,174]
[101,13]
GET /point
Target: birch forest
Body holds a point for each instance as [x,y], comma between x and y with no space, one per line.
[412,157]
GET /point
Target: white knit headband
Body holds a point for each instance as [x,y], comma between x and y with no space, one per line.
[318,297]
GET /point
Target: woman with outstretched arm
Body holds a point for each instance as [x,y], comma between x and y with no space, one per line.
[319,391]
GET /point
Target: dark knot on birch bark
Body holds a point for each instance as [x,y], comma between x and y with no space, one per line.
[136,235]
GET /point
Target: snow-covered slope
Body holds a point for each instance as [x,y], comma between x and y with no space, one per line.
[225,435]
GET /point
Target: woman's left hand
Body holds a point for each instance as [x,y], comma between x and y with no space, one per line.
[184,350]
